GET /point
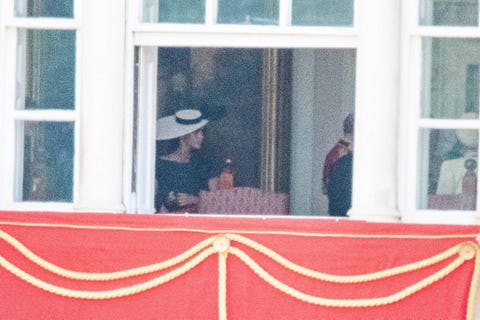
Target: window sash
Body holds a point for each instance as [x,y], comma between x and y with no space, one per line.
[10,25]
[210,34]
[411,121]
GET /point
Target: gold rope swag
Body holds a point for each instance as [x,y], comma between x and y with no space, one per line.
[222,246]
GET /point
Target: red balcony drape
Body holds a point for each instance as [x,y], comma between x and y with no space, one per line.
[119,266]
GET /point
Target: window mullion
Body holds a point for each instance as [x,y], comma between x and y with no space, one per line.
[211,11]
[447,32]
[285,18]
[449,123]
[8,80]
[45,115]
[43,23]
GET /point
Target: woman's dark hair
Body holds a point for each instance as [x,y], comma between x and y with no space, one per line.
[165,147]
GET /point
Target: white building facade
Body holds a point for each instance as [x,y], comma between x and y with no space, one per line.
[82,85]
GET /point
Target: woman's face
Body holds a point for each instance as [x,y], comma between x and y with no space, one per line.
[194,139]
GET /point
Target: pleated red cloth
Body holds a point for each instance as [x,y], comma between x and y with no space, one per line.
[103,243]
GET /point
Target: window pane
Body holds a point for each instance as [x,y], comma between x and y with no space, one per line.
[450,77]
[226,84]
[248,11]
[322,12]
[449,13]
[174,11]
[44,8]
[447,169]
[46,172]
[45,69]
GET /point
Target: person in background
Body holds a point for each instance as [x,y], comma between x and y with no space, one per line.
[337,171]
[341,148]
[182,172]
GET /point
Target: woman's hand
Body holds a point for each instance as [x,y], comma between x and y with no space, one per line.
[185,199]
[213,183]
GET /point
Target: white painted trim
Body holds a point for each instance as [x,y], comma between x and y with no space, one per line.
[18,153]
[45,115]
[9,81]
[211,12]
[77,112]
[244,40]
[285,13]
[447,32]
[43,23]
[129,197]
[3,92]
[246,36]
[77,11]
[356,9]
[3,132]
[376,111]
[448,123]
[146,127]
[248,29]
[39,206]
[413,110]
[404,115]
[440,217]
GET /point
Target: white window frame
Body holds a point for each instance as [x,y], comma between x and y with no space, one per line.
[411,120]
[10,25]
[146,35]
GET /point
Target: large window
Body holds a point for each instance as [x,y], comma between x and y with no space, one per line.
[284,71]
[40,112]
[444,105]
[275,121]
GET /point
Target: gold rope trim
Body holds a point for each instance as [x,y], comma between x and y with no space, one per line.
[107,294]
[473,285]
[106,276]
[347,303]
[283,233]
[344,279]
[222,286]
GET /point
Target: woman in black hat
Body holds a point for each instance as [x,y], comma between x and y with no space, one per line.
[182,173]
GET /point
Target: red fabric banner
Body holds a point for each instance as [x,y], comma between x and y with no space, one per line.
[119,266]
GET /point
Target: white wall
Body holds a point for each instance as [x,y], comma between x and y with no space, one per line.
[323,94]
[302,132]
[101,63]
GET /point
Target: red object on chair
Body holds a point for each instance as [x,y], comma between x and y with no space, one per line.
[242,200]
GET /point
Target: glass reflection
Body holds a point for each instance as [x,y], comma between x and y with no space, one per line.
[46,172]
[44,8]
[174,11]
[449,13]
[45,69]
[322,12]
[448,168]
[248,12]
[450,77]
